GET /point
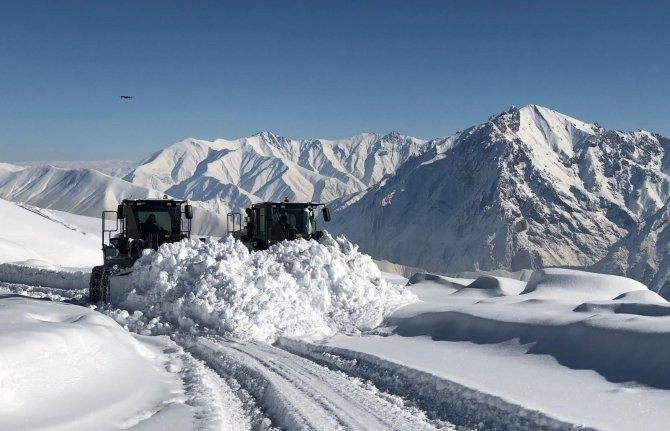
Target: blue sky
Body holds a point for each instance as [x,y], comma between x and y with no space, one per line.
[325,69]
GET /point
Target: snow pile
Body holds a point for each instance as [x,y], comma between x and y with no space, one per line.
[296,288]
[35,273]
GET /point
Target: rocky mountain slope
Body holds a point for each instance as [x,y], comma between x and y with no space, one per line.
[643,254]
[529,188]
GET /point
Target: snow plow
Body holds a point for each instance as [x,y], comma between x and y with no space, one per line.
[268,223]
[136,225]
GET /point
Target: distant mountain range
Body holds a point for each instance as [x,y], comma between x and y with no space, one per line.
[528,188]
[233,174]
[115,168]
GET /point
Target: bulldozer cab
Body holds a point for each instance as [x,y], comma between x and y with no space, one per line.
[270,222]
[145,223]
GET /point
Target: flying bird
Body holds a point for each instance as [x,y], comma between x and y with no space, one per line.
[126,97]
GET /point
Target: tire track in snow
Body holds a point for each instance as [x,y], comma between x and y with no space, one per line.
[216,405]
[442,399]
[299,394]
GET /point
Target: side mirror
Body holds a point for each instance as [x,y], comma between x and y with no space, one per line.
[248,212]
[119,211]
[326,214]
[188,211]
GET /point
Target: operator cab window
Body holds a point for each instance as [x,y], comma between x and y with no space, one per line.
[298,219]
[153,223]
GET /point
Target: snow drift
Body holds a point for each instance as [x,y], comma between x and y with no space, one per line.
[296,288]
[558,283]
[610,324]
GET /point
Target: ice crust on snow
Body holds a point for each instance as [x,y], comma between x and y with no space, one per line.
[297,288]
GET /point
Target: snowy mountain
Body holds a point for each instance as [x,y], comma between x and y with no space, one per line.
[8,167]
[529,188]
[264,166]
[218,176]
[79,191]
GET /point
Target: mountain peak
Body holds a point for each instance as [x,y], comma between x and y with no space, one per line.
[265,134]
[394,135]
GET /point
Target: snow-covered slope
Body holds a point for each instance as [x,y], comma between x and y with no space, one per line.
[644,254]
[520,360]
[114,168]
[30,236]
[268,167]
[87,192]
[8,167]
[79,191]
[529,188]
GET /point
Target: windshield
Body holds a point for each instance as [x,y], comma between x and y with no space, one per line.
[146,221]
[300,219]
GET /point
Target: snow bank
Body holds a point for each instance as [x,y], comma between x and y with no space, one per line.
[296,288]
[491,387]
[65,367]
[442,397]
[34,274]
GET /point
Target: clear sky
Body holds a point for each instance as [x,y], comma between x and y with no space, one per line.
[317,69]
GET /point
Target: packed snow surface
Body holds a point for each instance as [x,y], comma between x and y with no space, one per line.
[295,288]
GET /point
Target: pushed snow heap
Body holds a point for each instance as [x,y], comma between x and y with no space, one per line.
[296,288]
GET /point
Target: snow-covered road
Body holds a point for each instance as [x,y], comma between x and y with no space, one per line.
[298,394]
